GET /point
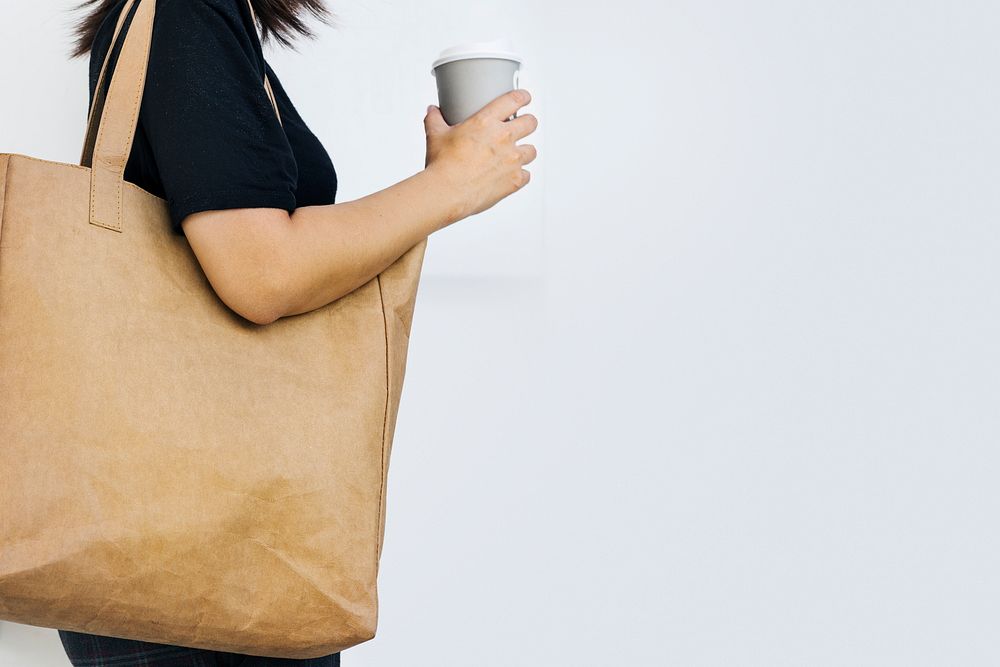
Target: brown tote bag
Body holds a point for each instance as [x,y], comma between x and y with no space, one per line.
[169,471]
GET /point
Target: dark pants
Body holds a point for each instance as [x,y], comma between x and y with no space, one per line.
[86,650]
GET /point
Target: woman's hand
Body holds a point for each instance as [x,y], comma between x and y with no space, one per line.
[479,157]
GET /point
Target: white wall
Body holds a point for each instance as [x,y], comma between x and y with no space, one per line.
[720,386]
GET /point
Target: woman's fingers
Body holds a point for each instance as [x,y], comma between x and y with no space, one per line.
[506,105]
[528,153]
[522,126]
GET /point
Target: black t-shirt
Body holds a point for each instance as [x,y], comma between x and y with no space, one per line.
[208,137]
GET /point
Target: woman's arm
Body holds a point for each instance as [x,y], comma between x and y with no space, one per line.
[266,264]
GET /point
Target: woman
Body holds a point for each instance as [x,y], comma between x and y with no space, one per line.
[254,193]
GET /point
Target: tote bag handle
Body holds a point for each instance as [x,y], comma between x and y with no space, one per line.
[88,143]
[108,143]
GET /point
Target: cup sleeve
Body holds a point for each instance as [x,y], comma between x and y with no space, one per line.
[213,133]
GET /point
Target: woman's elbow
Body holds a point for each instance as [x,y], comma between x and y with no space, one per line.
[239,251]
[255,308]
[256,297]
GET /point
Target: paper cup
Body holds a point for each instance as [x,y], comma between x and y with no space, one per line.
[471,75]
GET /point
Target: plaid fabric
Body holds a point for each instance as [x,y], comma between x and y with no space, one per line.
[84,650]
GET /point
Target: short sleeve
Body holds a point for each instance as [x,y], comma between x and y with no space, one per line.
[212,131]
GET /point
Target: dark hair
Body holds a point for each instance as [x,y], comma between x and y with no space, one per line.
[278,18]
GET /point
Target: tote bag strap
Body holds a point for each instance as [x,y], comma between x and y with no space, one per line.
[98,103]
[109,142]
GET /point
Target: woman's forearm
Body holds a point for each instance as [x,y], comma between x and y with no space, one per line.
[328,251]
[265,263]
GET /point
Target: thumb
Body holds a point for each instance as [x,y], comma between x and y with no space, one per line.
[434,122]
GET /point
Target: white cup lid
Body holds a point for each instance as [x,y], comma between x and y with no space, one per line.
[497,48]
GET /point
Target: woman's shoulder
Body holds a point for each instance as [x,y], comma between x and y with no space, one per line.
[230,7]
[237,11]
[180,25]
[201,22]
[187,13]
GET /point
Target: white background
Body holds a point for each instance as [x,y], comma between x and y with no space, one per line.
[720,386]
